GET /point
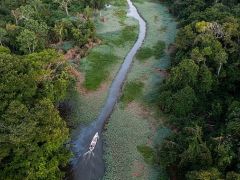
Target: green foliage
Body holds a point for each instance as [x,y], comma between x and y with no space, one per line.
[201,91]
[4,50]
[32,132]
[233,124]
[232,175]
[94,75]
[64,4]
[183,101]
[184,74]
[180,103]
[168,152]
[40,29]
[211,174]
[225,155]
[28,41]
[83,32]
[144,53]
[47,22]
[3,33]
[132,90]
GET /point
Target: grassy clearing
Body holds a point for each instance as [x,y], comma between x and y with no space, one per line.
[144,53]
[131,91]
[98,72]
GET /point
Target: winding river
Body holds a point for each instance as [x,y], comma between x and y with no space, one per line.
[92,167]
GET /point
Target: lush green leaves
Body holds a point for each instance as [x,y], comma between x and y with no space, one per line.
[202,91]
[32,134]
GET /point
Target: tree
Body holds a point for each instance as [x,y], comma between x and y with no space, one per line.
[28,41]
[3,33]
[215,52]
[185,37]
[37,4]
[60,31]
[183,101]
[209,174]
[232,175]
[17,15]
[225,155]
[183,74]
[233,120]
[197,154]
[27,12]
[205,80]
[40,29]
[64,4]
[34,139]
[31,131]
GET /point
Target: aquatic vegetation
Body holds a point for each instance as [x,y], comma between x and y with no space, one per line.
[144,53]
[121,14]
[125,131]
[148,153]
[98,72]
[132,90]
[128,34]
[159,48]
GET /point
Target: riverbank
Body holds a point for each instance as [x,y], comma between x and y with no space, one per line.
[134,121]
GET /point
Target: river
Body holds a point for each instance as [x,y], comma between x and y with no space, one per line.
[92,167]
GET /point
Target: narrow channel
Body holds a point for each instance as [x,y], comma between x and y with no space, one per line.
[92,167]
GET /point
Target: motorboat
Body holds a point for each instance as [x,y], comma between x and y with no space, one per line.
[94,142]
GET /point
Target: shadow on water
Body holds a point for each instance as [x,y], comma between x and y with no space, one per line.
[91,167]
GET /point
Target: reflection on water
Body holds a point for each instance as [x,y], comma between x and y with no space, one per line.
[91,166]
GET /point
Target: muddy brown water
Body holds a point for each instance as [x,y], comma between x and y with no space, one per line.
[92,167]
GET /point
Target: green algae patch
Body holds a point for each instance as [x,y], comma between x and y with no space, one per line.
[98,72]
[131,91]
[121,14]
[128,34]
[159,49]
[144,53]
[148,153]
